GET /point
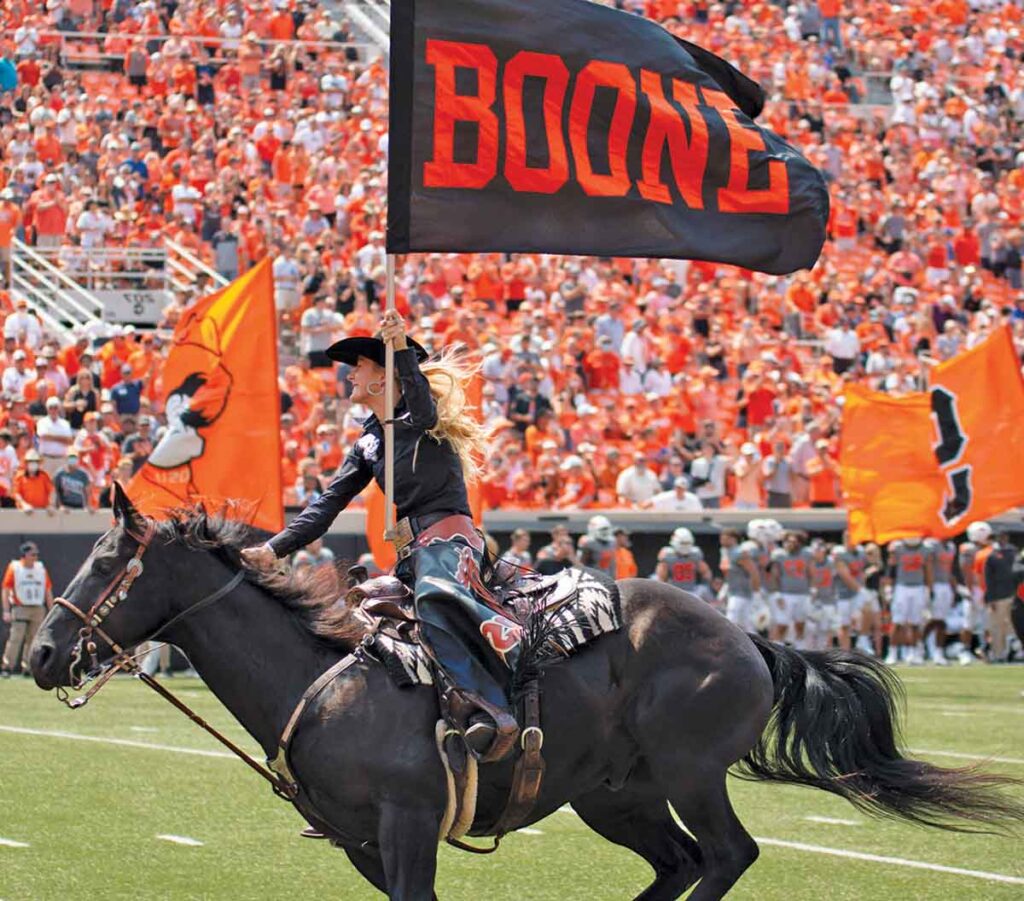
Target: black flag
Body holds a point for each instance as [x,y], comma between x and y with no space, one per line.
[562,126]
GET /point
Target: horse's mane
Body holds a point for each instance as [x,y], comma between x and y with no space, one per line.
[312,595]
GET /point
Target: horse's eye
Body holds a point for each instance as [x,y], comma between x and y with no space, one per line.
[102,567]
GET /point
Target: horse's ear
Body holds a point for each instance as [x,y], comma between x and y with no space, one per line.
[124,509]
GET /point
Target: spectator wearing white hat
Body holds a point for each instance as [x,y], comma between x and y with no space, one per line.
[679,499]
[55,437]
[578,488]
[749,478]
[23,326]
[17,375]
[638,483]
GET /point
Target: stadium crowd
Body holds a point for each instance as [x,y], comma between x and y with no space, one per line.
[246,131]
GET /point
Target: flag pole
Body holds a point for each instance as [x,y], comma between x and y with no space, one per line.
[389,412]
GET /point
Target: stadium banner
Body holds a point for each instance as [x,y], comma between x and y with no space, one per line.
[931,462]
[223,438]
[562,126]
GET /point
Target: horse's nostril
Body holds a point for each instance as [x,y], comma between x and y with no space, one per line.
[42,654]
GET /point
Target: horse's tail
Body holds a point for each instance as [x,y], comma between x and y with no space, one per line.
[835,725]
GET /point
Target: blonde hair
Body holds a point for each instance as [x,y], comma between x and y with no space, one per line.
[449,376]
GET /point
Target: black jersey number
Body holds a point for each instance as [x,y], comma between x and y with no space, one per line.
[948,452]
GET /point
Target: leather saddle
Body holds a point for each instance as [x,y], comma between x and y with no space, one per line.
[383,597]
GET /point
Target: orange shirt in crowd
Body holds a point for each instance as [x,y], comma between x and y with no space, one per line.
[33,491]
[10,220]
[822,474]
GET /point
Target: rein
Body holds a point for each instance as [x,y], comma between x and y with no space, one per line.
[114,594]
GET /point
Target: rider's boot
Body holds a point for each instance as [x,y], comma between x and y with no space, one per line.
[489,731]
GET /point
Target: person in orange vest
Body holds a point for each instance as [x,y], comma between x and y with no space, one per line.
[27,595]
[625,562]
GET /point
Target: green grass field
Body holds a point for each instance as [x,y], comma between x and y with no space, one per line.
[90,813]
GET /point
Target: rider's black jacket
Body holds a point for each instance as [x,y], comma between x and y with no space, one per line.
[428,474]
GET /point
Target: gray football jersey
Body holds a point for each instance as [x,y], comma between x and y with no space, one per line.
[683,569]
[794,570]
[943,555]
[823,581]
[736,577]
[856,562]
[968,551]
[907,562]
[598,554]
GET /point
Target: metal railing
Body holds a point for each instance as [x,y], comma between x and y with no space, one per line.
[184,267]
[133,268]
[61,301]
[94,48]
[373,20]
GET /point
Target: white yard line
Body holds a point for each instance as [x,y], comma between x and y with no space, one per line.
[961,756]
[120,742]
[11,843]
[1012,706]
[181,840]
[877,858]
[530,831]
[832,821]
[892,861]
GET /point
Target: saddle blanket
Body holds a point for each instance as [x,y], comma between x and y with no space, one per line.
[564,612]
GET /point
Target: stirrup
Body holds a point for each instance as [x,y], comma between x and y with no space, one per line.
[479,737]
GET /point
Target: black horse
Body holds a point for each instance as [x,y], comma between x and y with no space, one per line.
[650,716]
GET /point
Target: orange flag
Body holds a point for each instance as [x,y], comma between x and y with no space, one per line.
[223,441]
[931,462]
[383,551]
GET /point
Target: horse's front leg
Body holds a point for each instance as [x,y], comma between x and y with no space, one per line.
[408,848]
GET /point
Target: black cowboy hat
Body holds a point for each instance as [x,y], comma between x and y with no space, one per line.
[349,350]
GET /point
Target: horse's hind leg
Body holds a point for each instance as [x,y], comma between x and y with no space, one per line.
[702,802]
[637,817]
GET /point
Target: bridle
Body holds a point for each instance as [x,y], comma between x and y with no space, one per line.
[115,592]
[92,624]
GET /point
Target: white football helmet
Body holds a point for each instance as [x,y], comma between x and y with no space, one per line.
[755,528]
[682,540]
[912,540]
[979,532]
[600,527]
[773,530]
